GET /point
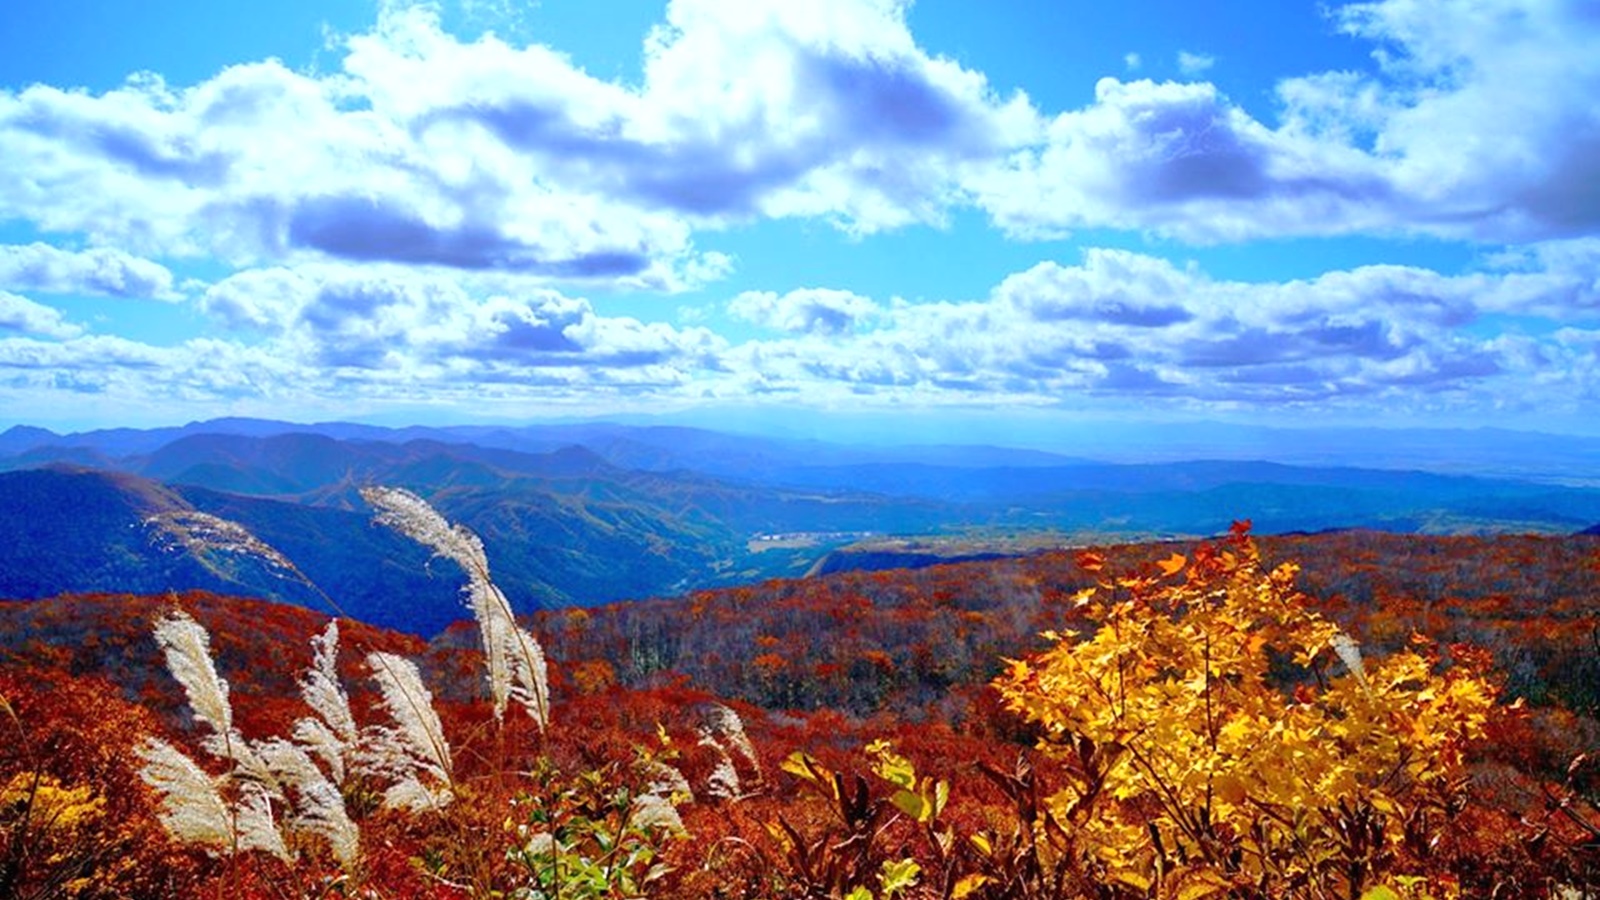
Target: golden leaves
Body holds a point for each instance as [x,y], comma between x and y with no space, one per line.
[1203,740]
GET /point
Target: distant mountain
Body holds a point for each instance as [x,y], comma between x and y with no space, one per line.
[561,528]
[1488,452]
[22,438]
[592,513]
[117,442]
[76,531]
[754,477]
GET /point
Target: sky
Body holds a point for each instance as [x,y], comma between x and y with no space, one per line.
[1025,214]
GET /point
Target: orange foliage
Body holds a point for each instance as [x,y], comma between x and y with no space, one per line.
[957,802]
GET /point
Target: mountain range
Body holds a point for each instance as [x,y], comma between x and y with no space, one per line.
[591,513]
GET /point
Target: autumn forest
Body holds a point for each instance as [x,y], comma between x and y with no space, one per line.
[1350,714]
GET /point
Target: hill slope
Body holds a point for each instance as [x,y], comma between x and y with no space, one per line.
[79,531]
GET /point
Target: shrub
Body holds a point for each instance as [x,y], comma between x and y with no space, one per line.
[1221,739]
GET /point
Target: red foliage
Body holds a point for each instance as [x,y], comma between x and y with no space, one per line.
[821,665]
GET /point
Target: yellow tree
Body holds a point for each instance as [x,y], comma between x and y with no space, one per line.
[1222,739]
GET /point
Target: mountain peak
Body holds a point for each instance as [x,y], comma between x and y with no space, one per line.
[22,438]
[575,457]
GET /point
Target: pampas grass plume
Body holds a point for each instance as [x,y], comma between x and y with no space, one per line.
[415,744]
[188,651]
[333,734]
[515,663]
[191,808]
[321,809]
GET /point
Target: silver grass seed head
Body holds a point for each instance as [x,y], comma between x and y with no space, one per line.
[197,532]
[652,812]
[723,783]
[248,765]
[319,741]
[192,809]
[1349,653]
[495,628]
[187,648]
[411,795]
[532,688]
[319,808]
[724,727]
[321,689]
[256,828]
[322,812]
[413,517]
[416,740]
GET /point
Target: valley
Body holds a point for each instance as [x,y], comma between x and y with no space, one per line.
[559,506]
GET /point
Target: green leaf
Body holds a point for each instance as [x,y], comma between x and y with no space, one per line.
[898,876]
[892,767]
[910,804]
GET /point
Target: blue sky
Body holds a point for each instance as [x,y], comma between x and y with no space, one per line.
[1026,212]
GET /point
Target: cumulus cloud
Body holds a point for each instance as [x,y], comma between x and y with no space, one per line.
[482,155]
[1114,327]
[392,318]
[1111,287]
[805,311]
[419,218]
[1475,122]
[1181,159]
[479,155]
[1129,327]
[112,273]
[19,315]
[1482,109]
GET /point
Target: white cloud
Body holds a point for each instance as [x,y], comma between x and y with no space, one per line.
[1477,124]
[484,156]
[1180,159]
[1192,64]
[1483,112]
[808,310]
[1132,61]
[1131,328]
[1111,287]
[1114,328]
[19,315]
[378,318]
[265,299]
[418,220]
[45,269]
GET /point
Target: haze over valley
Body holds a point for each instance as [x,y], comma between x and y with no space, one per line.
[592,513]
